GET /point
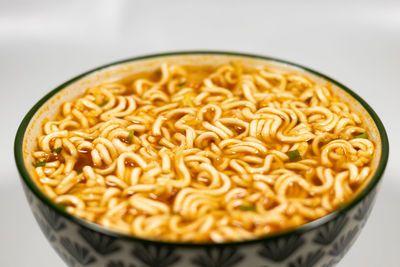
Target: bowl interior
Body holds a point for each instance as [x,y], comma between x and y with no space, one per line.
[116,72]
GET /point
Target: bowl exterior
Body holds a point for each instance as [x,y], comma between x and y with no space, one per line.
[322,246]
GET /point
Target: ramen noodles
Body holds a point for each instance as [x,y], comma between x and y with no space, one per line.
[204,153]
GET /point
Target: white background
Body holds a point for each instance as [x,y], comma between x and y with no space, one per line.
[44,43]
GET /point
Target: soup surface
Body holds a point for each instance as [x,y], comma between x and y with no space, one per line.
[204,153]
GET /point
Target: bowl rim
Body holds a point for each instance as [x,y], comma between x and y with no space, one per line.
[25,177]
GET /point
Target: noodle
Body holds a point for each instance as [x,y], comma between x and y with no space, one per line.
[204,154]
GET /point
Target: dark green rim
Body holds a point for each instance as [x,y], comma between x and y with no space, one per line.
[304,228]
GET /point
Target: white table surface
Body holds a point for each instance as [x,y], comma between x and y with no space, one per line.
[44,43]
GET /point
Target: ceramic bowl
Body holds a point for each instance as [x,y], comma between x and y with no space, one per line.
[322,242]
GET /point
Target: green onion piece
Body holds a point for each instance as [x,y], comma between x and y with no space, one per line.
[181,84]
[56,150]
[294,155]
[187,100]
[363,135]
[103,103]
[41,163]
[62,206]
[79,171]
[248,208]
[130,137]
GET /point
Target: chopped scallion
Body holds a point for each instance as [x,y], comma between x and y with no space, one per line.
[41,163]
[248,208]
[363,135]
[62,206]
[187,100]
[103,103]
[294,155]
[181,84]
[56,150]
[130,137]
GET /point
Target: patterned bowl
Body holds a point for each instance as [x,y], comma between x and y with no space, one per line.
[322,242]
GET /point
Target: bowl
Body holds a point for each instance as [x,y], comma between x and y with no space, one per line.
[322,242]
